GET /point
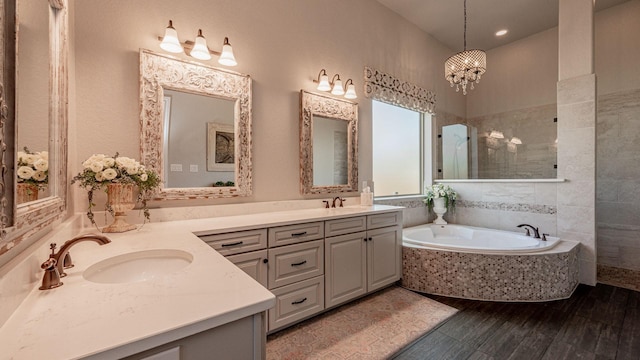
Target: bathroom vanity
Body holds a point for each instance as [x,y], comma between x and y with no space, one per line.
[205,305]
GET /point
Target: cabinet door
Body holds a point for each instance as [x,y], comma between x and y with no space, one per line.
[345,268]
[292,263]
[253,263]
[384,251]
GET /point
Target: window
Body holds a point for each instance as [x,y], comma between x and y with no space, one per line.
[400,138]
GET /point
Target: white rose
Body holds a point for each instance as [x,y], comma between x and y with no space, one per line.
[21,156]
[96,166]
[44,155]
[131,170]
[99,176]
[109,174]
[109,162]
[40,176]
[29,158]
[144,177]
[41,165]
[25,172]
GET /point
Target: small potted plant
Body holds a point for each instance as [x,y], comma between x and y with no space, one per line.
[117,175]
[440,198]
[33,174]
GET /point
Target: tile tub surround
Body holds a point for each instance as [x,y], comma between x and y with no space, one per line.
[544,276]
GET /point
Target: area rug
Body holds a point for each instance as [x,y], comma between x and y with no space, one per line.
[374,327]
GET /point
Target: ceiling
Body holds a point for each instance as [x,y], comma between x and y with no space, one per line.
[444,19]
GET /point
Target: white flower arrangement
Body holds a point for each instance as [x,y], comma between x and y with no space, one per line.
[33,167]
[436,191]
[100,170]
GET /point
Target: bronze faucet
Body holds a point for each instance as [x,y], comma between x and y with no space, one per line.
[333,204]
[57,262]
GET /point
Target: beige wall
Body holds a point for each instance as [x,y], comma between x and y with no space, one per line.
[282,44]
[522,74]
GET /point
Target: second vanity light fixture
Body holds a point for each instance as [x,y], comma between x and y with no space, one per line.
[197,49]
[335,85]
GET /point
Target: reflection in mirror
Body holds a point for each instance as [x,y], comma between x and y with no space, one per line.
[328,144]
[32,101]
[31,217]
[199,139]
[198,136]
[513,145]
[330,150]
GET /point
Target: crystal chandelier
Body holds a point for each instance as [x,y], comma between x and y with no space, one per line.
[466,66]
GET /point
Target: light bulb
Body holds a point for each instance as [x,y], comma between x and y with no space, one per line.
[170,41]
[200,50]
[323,83]
[227,58]
[351,91]
[337,87]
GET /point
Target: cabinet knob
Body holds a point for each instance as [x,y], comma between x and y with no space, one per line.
[265,261]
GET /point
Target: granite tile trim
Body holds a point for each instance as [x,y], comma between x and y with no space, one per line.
[488,205]
[531,278]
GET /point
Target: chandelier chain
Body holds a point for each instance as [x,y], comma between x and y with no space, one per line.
[465,25]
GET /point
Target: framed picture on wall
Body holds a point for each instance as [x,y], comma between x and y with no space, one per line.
[220,147]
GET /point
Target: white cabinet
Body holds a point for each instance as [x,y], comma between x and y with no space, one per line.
[253,263]
[346,267]
[362,262]
[384,257]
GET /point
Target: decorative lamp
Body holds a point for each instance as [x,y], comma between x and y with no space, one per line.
[337,88]
[226,57]
[200,50]
[170,40]
[323,81]
[351,90]
[467,66]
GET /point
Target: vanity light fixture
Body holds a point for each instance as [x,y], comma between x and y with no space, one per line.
[351,90]
[197,49]
[323,81]
[516,140]
[336,85]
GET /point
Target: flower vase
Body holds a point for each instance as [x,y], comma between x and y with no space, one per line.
[120,199]
[26,192]
[439,208]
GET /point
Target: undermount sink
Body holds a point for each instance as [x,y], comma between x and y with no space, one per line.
[138,266]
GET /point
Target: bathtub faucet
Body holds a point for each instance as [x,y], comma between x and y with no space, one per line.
[536,233]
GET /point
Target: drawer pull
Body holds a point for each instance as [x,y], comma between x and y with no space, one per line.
[232,244]
[299,234]
[299,301]
[300,263]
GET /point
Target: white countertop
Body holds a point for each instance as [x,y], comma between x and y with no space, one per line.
[104,321]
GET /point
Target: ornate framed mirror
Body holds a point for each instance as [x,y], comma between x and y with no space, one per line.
[328,144]
[195,128]
[25,219]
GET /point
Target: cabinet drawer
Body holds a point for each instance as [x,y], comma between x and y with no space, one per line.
[237,242]
[292,263]
[253,263]
[296,302]
[345,226]
[383,220]
[291,234]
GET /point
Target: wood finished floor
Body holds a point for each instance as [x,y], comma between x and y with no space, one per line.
[601,322]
